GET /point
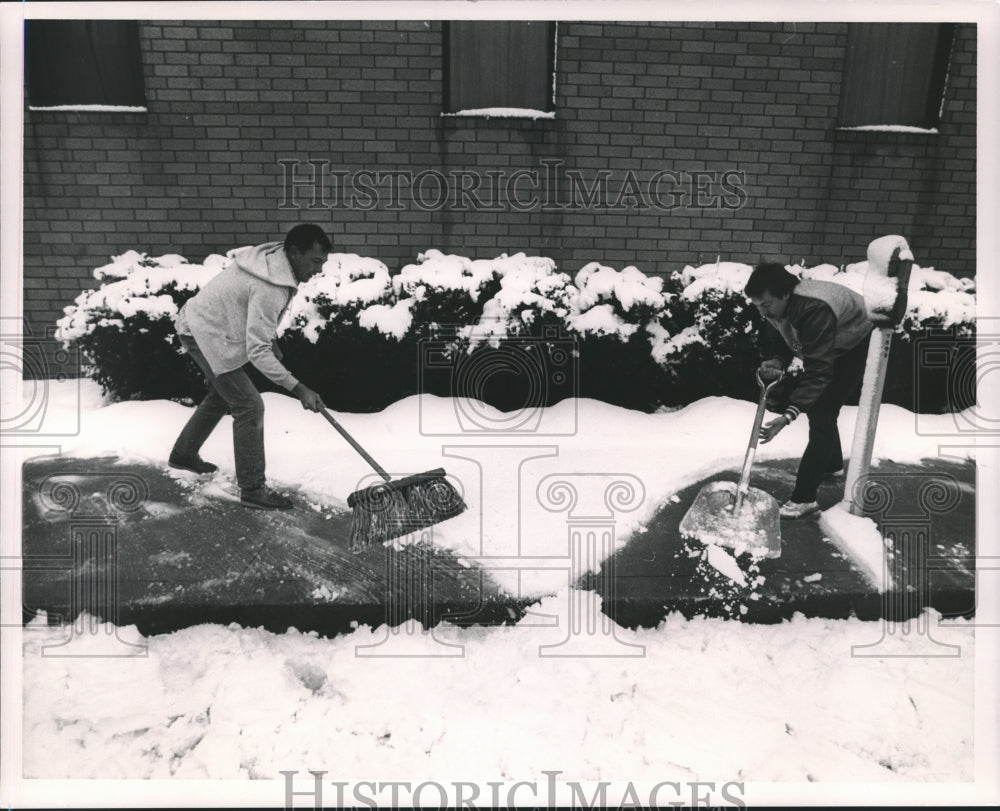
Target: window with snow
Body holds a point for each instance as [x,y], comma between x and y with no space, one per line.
[894,75]
[83,64]
[499,67]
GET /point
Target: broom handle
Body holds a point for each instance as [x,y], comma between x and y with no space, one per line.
[758,420]
[354,444]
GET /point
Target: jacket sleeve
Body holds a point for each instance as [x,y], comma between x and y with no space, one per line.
[263,311]
[818,333]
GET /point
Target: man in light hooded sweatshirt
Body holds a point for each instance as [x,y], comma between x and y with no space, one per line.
[231,322]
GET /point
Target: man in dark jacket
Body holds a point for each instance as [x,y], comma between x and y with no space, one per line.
[825,326]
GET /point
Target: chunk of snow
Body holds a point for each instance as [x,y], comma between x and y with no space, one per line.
[860,539]
[722,561]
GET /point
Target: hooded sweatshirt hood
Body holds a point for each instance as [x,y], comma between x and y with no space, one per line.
[267,262]
[234,317]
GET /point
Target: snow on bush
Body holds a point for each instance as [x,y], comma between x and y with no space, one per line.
[125,328]
[612,302]
[709,313]
[935,298]
[676,338]
[531,297]
[725,278]
[135,283]
[347,287]
[448,290]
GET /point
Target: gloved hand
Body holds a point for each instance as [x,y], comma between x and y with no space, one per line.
[770,370]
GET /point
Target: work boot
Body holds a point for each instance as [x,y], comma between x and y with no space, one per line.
[262,498]
[795,509]
[195,463]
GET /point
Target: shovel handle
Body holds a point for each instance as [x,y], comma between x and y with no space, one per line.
[354,444]
[758,420]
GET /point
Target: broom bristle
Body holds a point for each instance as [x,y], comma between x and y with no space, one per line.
[394,509]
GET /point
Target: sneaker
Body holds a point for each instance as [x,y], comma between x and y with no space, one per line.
[261,498]
[795,509]
[193,463]
[833,475]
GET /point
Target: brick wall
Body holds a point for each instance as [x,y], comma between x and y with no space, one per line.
[232,106]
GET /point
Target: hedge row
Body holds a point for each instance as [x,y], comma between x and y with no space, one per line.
[510,331]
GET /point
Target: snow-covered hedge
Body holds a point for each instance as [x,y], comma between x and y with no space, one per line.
[365,338]
[125,328]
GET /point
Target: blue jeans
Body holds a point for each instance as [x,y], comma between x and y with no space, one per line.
[229,393]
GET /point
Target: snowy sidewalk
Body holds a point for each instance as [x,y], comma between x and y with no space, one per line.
[164,552]
[809,699]
[933,563]
[181,551]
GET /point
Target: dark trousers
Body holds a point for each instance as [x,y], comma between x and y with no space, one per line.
[823,453]
[229,393]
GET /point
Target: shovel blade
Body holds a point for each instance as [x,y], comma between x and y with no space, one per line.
[756,529]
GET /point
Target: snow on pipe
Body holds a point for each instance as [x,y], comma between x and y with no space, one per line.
[856,536]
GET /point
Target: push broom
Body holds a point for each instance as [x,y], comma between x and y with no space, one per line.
[391,509]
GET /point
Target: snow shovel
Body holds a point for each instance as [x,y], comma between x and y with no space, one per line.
[392,509]
[740,517]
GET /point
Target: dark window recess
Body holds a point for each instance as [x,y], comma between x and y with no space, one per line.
[69,62]
[895,73]
[502,63]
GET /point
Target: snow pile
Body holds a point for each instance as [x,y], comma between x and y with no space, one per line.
[612,302]
[859,538]
[135,283]
[697,699]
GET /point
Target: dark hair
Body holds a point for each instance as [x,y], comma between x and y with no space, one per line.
[305,236]
[770,277]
